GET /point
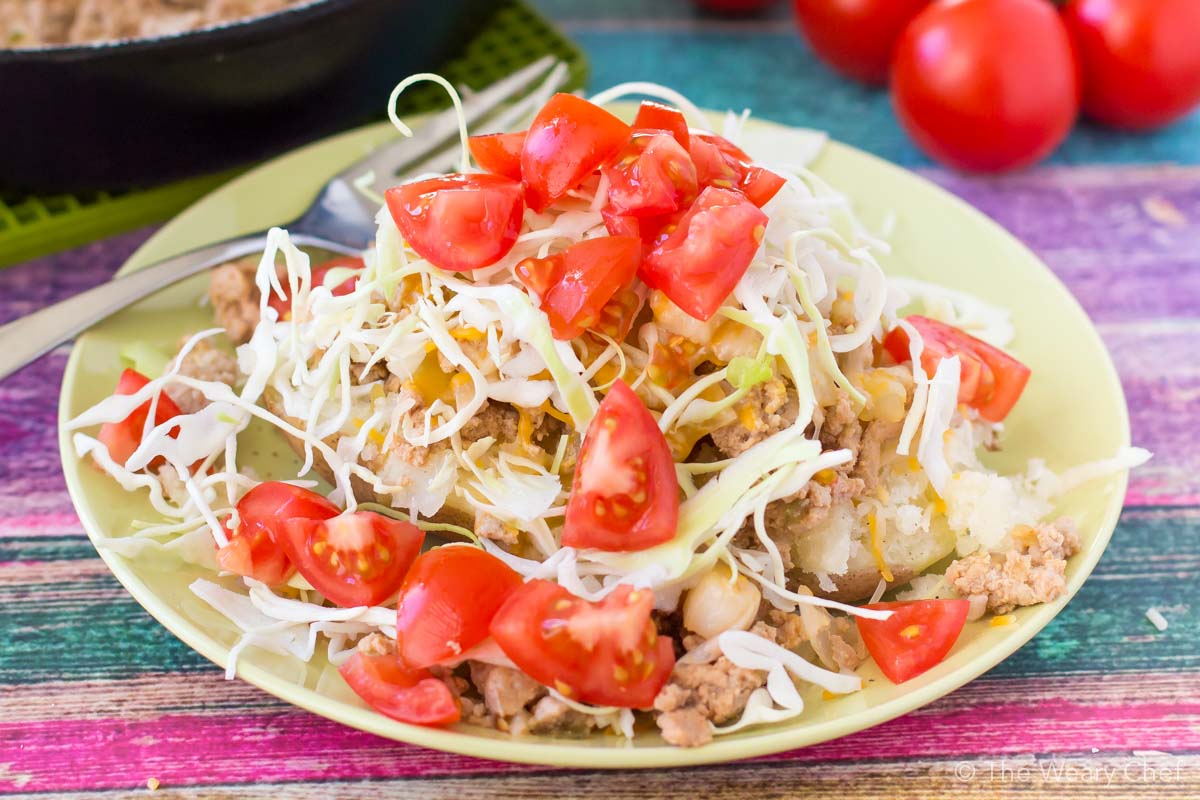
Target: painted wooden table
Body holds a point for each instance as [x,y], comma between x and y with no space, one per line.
[97,699]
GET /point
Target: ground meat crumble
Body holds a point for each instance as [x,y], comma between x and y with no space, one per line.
[1032,571]
[840,429]
[765,410]
[207,363]
[700,693]
[508,700]
[699,696]
[234,298]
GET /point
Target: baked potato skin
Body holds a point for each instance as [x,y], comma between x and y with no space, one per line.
[855,585]
[906,557]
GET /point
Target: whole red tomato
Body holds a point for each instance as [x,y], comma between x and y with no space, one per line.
[856,37]
[1140,59]
[986,85]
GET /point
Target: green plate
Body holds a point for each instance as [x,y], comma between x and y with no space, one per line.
[1073,411]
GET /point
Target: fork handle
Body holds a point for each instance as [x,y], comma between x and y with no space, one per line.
[28,337]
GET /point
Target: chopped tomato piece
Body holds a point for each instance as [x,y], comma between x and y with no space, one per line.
[915,638]
[652,230]
[672,363]
[581,280]
[760,185]
[652,175]
[568,140]
[991,380]
[721,163]
[727,148]
[607,653]
[625,495]
[619,314]
[283,303]
[356,558]
[702,259]
[499,153]
[459,222]
[447,601]
[486,651]
[655,116]
[124,437]
[539,274]
[713,167]
[620,224]
[254,549]
[400,692]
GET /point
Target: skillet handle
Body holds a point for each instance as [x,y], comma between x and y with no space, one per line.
[24,339]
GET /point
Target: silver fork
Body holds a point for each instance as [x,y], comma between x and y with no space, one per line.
[340,219]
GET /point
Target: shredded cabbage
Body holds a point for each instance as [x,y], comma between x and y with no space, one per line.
[939,413]
[982,320]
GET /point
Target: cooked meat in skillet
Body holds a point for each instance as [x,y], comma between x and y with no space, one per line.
[41,23]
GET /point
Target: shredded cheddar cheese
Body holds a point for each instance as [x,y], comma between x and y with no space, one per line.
[524,427]
[874,526]
[468,334]
[372,434]
[549,408]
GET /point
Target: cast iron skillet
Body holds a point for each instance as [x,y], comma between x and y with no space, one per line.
[147,111]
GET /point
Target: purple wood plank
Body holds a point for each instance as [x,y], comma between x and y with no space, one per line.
[1160,371]
[989,718]
[1126,241]
[31,481]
